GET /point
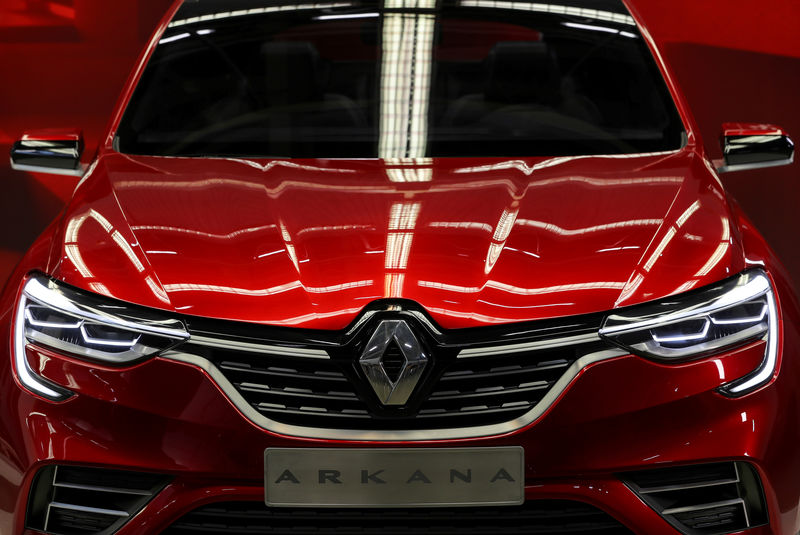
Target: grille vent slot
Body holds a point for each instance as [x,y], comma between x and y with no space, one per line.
[543,517]
[70,500]
[709,499]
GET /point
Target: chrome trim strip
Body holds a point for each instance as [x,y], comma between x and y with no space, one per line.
[698,485]
[392,436]
[704,506]
[529,346]
[415,313]
[85,509]
[109,490]
[79,172]
[221,343]
[361,321]
[423,319]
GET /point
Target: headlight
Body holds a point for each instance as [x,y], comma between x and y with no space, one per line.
[86,326]
[711,320]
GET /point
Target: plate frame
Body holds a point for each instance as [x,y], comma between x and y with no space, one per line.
[500,503]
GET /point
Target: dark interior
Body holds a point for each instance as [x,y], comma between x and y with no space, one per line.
[321,84]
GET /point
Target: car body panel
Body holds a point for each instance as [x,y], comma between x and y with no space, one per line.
[474,241]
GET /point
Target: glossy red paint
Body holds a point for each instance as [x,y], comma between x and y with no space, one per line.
[475,241]
[751,129]
[58,134]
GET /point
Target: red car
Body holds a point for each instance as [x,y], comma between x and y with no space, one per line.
[400,267]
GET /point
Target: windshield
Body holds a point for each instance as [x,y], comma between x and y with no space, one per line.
[400,79]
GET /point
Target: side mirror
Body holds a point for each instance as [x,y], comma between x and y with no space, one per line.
[49,151]
[753,146]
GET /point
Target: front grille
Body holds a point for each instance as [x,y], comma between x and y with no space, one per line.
[70,500]
[474,377]
[469,392]
[293,390]
[707,499]
[543,517]
[496,388]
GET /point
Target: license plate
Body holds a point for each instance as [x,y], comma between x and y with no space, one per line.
[394,477]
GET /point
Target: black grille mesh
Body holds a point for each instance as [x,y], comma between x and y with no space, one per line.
[533,517]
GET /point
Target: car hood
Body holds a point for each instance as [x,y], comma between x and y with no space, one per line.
[310,243]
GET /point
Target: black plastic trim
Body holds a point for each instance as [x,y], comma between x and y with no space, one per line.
[62,154]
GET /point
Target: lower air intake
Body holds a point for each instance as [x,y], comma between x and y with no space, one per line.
[534,517]
[70,500]
[708,499]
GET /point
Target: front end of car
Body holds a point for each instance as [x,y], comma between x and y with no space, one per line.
[400,267]
[664,417]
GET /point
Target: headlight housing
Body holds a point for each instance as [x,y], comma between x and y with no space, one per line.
[718,318]
[86,326]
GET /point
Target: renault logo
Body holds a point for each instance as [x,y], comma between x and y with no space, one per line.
[393,361]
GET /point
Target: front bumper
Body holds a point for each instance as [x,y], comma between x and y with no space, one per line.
[619,415]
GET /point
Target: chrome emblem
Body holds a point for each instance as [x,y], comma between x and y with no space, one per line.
[393,389]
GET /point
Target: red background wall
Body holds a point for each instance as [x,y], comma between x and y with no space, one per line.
[63,63]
